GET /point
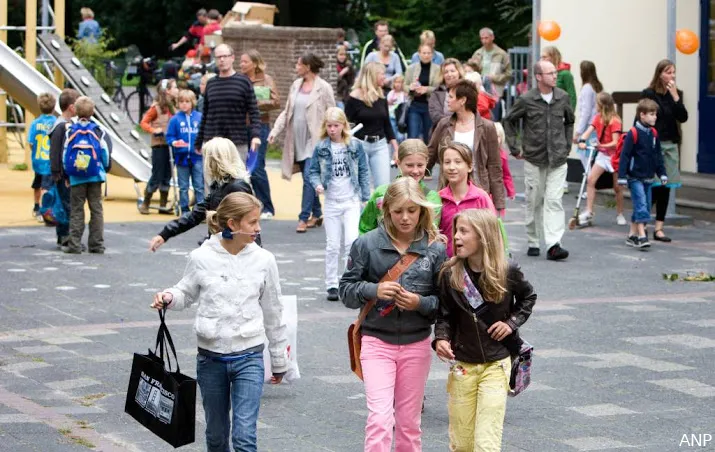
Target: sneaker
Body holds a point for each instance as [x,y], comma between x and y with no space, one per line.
[533,251]
[556,253]
[266,216]
[97,251]
[632,241]
[585,219]
[68,250]
[621,220]
[584,195]
[643,243]
[333,294]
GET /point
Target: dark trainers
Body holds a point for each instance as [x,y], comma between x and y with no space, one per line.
[533,251]
[96,250]
[643,243]
[556,253]
[633,241]
[333,294]
[68,250]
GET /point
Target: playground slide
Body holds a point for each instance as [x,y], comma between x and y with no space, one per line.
[23,83]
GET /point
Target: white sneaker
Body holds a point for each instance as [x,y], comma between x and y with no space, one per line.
[39,218]
[584,195]
[585,219]
[621,220]
[266,216]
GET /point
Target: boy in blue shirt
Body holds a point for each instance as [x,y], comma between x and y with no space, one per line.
[85,160]
[180,135]
[39,140]
[641,159]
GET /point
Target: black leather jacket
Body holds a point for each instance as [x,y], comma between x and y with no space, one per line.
[469,338]
[217,192]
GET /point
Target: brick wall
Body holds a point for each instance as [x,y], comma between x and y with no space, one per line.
[281,47]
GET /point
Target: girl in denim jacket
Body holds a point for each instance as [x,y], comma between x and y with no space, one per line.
[339,170]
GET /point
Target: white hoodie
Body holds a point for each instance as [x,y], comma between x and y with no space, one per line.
[238,300]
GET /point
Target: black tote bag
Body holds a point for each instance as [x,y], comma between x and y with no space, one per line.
[161,400]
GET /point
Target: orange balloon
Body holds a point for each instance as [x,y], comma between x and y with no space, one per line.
[549,30]
[686,41]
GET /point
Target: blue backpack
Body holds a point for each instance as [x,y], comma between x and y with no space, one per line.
[83,155]
[52,210]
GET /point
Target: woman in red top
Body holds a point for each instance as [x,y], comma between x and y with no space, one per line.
[607,126]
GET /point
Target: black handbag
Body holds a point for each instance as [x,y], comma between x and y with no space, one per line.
[161,400]
[401,115]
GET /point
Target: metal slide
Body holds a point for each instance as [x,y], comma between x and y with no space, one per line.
[23,83]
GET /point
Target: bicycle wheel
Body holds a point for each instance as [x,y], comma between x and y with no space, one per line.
[132,105]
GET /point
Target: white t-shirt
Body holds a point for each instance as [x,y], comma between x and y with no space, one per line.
[465,138]
[547,97]
[341,186]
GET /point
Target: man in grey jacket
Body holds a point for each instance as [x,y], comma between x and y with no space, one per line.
[548,121]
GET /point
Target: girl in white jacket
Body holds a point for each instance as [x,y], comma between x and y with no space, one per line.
[236,286]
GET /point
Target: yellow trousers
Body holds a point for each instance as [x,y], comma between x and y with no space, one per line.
[477,404]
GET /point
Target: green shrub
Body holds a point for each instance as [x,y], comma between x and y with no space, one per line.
[95,56]
[19,167]
[274,152]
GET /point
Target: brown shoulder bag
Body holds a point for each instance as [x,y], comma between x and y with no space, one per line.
[354,330]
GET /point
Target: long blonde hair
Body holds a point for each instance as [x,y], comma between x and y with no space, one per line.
[607,109]
[554,54]
[234,206]
[464,152]
[222,161]
[493,278]
[400,192]
[367,83]
[412,146]
[334,114]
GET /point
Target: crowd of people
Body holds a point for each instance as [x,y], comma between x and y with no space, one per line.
[413,257]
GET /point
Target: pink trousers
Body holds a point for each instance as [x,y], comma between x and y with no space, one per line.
[395,377]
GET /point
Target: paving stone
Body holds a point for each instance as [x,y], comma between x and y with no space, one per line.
[65,385]
[686,386]
[605,409]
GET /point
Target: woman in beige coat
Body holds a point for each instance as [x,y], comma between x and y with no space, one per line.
[310,96]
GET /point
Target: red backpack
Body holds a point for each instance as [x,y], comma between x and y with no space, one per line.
[616,157]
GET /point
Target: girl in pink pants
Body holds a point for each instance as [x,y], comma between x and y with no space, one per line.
[395,353]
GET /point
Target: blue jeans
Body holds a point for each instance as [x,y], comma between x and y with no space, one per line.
[418,121]
[310,202]
[400,137]
[160,169]
[641,198]
[378,159]
[63,230]
[234,386]
[259,178]
[195,172]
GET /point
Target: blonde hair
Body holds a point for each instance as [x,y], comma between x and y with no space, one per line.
[187,94]
[46,102]
[553,54]
[493,278]
[400,192]
[233,206]
[222,161]
[501,136]
[427,35]
[84,107]
[464,152]
[367,83]
[476,78]
[257,60]
[163,101]
[412,146]
[335,114]
[388,37]
[86,13]
[399,78]
[607,108]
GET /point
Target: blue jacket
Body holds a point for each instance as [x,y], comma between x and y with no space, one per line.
[321,168]
[38,138]
[104,152]
[642,159]
[184,127]
[89,30]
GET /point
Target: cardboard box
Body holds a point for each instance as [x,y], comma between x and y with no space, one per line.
[251,13]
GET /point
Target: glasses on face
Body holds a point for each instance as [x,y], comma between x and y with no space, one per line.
[221,57]
[547,73]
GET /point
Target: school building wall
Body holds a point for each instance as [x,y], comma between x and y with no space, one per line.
[626,39]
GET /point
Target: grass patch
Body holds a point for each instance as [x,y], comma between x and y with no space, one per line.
[274,152]
[83,424]
[76,439]
[89,400]
[38,359]
[19,167]
[65,431]
[611,203]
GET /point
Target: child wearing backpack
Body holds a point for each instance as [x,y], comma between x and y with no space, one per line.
[38,137]
[155,122]
[85,161]
[607,126]
[181,134]
[641,158]
[339,169]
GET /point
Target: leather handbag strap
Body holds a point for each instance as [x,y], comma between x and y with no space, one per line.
[393,274]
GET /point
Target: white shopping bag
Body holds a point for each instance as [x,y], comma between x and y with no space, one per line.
[290,317]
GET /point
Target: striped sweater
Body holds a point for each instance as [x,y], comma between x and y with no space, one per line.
[227,102]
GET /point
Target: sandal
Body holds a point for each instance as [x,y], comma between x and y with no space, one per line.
[661,238]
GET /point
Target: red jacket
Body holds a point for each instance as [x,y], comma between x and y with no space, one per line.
[485,103]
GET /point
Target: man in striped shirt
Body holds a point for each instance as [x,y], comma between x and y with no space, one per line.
[228,100]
